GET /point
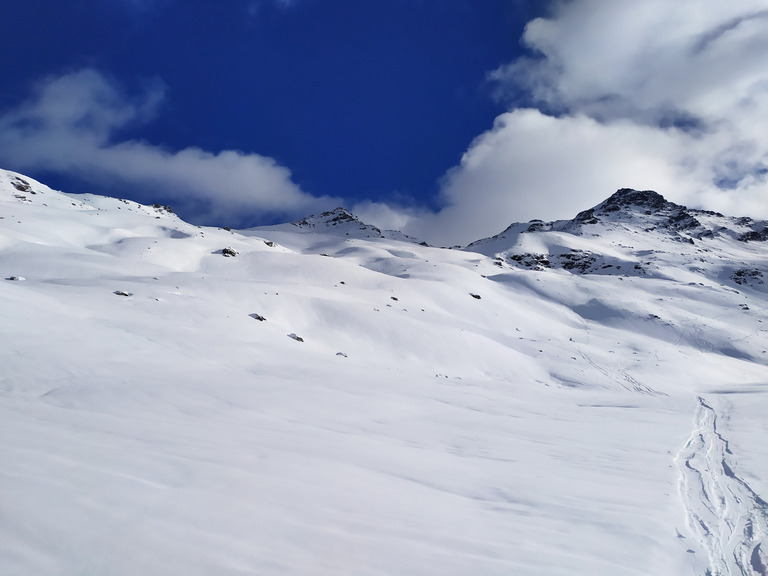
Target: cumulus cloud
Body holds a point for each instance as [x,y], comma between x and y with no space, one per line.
[655,94]
[646,60]
[390,216]
[531,165]
[72,125]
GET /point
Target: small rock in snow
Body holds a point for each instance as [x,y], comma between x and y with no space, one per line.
[122,293]
[15,278]
[258,317]
[229,252]
[297,338]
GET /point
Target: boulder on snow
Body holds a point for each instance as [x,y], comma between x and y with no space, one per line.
[229,252]
[258,317]
[162,208]
[294,337]
[122,293]
[15,278]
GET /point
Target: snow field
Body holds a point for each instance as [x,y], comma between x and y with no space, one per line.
[540,429]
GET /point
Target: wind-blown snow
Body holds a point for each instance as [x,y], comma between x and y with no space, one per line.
[524,406]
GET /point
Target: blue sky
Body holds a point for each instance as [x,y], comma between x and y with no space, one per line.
[449,119]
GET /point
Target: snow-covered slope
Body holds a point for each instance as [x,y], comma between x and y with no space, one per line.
[330,399]
[636,233]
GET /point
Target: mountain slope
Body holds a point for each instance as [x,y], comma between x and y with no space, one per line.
[454,407]
[636,233]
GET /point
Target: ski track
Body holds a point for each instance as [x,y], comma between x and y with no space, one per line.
[626,381]
[729,520]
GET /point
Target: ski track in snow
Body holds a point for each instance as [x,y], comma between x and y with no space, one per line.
[626,381]
[727,517]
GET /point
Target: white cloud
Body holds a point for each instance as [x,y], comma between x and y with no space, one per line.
[389,216]
[531,165]
[645,59]
[655,94]
[71,124]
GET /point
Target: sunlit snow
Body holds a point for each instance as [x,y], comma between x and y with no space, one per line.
[582,397]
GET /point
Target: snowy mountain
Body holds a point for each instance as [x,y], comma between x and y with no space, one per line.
[575,397]
[635,233]
[342,222]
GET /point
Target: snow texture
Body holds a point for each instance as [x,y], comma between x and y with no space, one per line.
[575,397]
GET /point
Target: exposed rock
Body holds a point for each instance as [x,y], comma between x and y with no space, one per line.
[332,218]
[162,208]
[229,252]
[21,185]
[747,277]
[536,226]
[587,217]
[577,261]
[625,198]
[534,261]
[341,221]
[755,235]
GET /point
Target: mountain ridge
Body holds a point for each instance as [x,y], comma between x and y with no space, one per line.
[651,208]
[626,204]
[641,229]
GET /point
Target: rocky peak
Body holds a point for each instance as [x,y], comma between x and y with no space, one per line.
[339,215]
[331,218]
[629,198]
[339,221]
[645,208]
[626,202]
[342,222]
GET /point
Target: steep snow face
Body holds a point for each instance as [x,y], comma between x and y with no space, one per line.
[317,399]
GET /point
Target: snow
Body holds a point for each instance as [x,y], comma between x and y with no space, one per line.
[562,423]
